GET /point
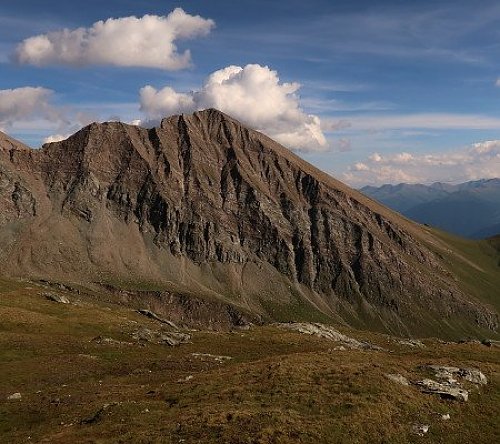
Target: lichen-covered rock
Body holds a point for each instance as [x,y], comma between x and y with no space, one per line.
[328,332]
[473,375]
[57,298]
[210,357]
[420,429]
[160,337]
[444,390]
[450,374]
[411,343]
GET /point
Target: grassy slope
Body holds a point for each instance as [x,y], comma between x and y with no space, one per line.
[476,264]
[279,387]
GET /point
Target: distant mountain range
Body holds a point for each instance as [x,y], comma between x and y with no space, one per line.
[470,209]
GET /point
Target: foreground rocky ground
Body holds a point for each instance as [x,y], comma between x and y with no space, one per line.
[73,369]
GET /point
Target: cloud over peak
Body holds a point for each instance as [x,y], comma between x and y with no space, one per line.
[148,41]
[254,95]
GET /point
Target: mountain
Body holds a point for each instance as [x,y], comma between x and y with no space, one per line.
[205,212]
[470,209]
[403,197]
[486,232]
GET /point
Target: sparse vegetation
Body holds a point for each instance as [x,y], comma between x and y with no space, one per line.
[279,386]
[476,264]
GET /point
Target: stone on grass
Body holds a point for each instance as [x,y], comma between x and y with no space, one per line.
[444,390]
[473,375]
[411,343]
[327,332]
[448,374]
[14,397]
[160,337]
[396,377]
[109,341]
[186,379]
[57,298]
[209,356]
[420,429]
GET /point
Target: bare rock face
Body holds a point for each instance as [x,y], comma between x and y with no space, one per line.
[205,207]
[17,201]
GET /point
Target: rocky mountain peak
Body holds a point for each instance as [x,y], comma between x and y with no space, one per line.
[204,206]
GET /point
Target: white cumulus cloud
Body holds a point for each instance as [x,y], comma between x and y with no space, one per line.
[148,41]
[27,103]
[252,94]
[479,161]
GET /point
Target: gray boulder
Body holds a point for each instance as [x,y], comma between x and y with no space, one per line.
[327,332]
[444,390]
[57,298]
[160,337]
[473,375]
[420,429]
[449,374]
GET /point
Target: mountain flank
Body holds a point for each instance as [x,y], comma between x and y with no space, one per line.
[204,208]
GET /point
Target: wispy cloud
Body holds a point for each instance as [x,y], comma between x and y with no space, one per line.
[335,86]
[480,160]
[432,121]
[442,33]
[330,106]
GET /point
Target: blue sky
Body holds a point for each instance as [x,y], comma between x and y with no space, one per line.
[404,91]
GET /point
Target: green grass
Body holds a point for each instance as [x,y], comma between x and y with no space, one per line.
[480,272]
[297,310]
[279,386]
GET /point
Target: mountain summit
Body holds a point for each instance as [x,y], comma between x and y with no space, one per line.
[209,209]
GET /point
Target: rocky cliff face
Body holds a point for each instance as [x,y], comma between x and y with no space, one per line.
[205,206]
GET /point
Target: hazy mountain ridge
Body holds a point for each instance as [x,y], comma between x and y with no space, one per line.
[206,207]
[470,209]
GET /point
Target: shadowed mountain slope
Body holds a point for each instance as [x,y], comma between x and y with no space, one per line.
[209,209]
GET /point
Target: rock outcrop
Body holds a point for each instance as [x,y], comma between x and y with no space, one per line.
[449,391]
[204,207]
[327,332]
[57,298]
